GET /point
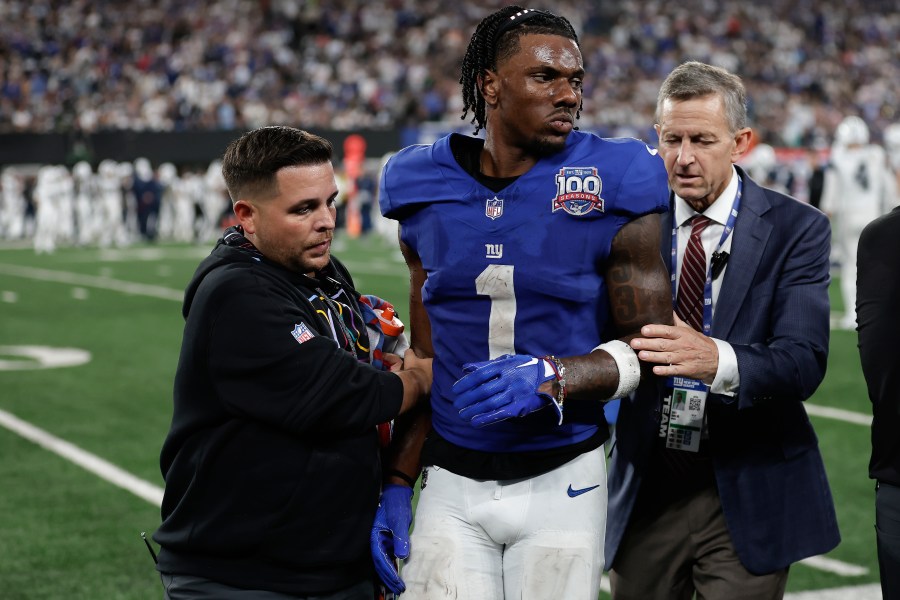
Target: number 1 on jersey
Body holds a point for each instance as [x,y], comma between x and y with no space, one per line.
[496,282]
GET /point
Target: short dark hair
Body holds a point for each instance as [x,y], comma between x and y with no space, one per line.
[497,38]
[251,162]
[696,79]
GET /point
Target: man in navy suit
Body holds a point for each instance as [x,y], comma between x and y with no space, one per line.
[721,494]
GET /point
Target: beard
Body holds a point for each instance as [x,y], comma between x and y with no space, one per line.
[543,146]
[293,257]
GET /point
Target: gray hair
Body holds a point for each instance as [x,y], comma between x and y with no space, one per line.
[696,79]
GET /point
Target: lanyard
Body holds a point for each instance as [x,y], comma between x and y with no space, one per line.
[707,288]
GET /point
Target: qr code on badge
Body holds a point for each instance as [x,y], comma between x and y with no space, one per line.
[694,404]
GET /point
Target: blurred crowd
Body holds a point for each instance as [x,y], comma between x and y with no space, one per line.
[167,65]
[162,65]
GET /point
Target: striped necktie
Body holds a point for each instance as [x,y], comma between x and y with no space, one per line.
[689,301]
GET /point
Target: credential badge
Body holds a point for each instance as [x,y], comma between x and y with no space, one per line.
[493,208]
[578,191]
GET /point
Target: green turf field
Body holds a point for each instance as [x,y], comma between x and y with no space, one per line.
[67,533]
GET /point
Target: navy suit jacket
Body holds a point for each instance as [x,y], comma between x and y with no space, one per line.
[773,309]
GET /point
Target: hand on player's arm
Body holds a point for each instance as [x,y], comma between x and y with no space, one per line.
[393,362]
[678,350]
[416,376]
[639,293]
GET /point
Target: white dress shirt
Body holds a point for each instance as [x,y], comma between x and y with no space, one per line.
[727,378]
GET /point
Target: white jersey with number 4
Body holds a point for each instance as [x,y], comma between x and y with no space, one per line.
[857,188]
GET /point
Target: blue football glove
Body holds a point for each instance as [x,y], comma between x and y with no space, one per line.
[390,534]
[503,388]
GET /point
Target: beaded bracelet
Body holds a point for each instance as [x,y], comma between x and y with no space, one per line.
[559,369]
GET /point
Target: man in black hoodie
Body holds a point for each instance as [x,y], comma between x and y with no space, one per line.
[272,462]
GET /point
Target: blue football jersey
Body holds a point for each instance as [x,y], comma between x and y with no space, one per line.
[518,271]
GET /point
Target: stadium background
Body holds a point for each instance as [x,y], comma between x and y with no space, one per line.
[175,81]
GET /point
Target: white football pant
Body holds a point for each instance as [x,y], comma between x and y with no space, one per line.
[539,538]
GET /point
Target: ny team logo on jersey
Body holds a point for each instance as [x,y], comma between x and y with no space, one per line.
[493,251]
[493,208]
[302,333]
[578,191]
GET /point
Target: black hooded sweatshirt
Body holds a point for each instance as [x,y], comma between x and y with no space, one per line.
[272,464]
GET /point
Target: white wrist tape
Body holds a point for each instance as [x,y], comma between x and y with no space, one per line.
[628,364]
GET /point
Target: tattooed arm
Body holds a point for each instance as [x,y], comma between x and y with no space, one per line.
[639,293]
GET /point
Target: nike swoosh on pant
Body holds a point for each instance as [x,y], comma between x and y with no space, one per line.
[572,493]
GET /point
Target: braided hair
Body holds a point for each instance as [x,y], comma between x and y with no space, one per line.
[497,38]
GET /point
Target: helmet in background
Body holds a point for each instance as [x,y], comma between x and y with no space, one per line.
[852,131]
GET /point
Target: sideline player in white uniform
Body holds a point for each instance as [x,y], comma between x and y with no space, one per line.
[167,174]
[892,145]
[46,200]
[111,221]
[857,190]
[762,166]
[185,195]
[12,205]
[85,199]
[214,202]
[65,189]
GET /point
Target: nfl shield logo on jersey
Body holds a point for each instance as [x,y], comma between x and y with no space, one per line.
[493,208]
[578,191]
[302,333]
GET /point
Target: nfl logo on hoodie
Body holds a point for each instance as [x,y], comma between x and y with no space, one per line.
[302,333]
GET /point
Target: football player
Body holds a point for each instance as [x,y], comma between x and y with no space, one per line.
[857,189]
[533,255]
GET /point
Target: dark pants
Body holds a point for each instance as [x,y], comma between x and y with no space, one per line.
[189,587]
[684,549]
[887,530]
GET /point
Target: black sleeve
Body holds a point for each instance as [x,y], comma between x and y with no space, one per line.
[878,319]
[262,372]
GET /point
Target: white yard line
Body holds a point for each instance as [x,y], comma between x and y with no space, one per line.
[837,567]
[870,591]
[106,283]
[839,414]
[90,462]
[156,291]
[154,494]
[84,459]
